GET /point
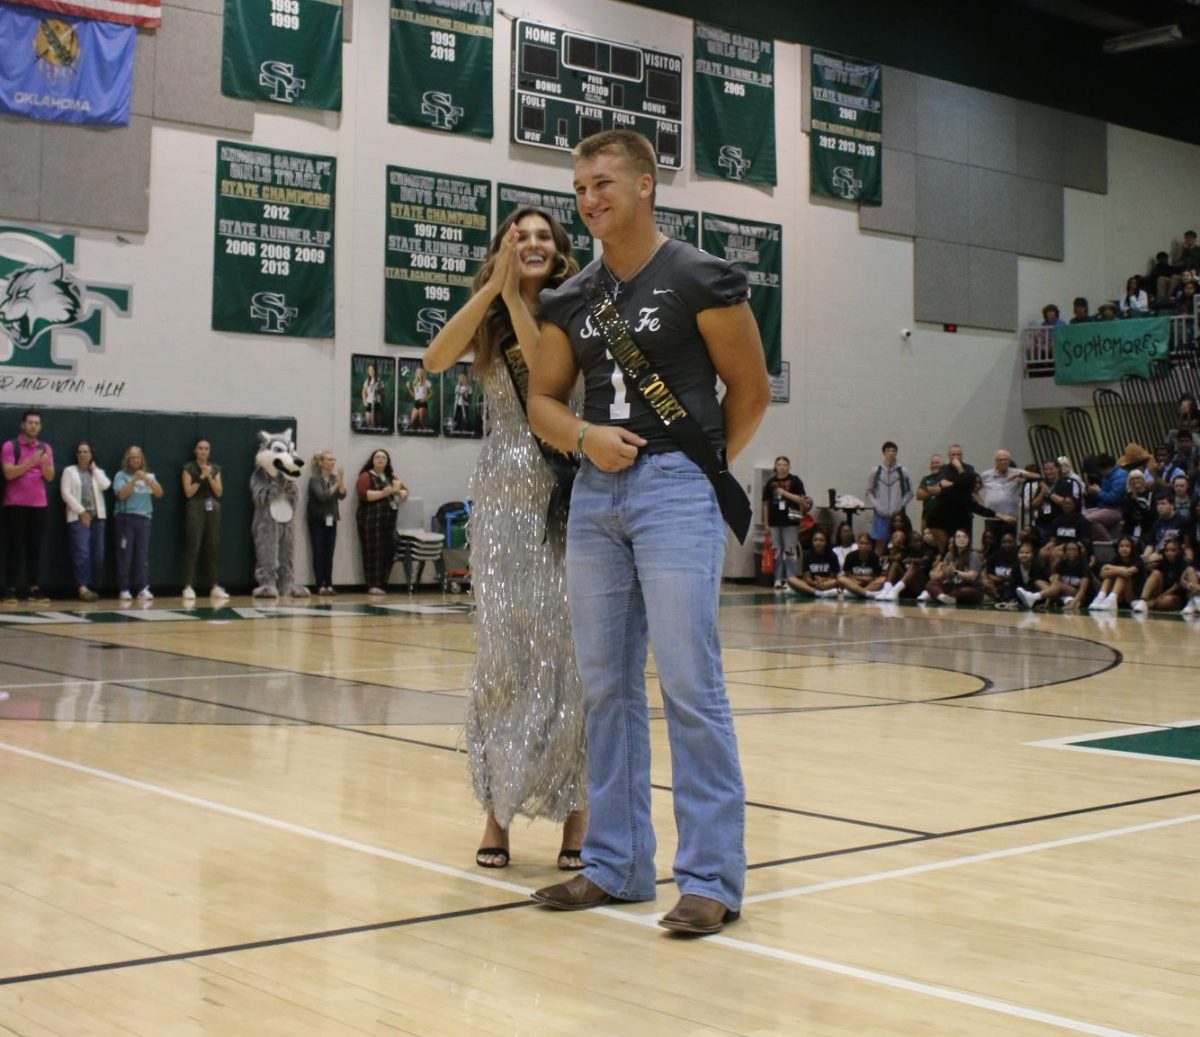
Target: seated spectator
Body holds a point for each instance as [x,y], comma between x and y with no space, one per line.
[861,568]
[909,580]
[929,487]
[1107,311]
[958,578]
[1137,507]
[1082,313]
[1187,458]
[1167,527]
[892,567]
[1163,591]
[1105,498]
[1122,579]
[889,489]
[1069,583]
[901,521]
[1134,303]
[1181,497]
[1051,317]
[819,569]
[1160,275]
[1161,470]
[1064,463]
[1069,526]
[998,569]
[844,543]
[1185,306]
[1001,491]
[1187,259]
[1029,576]
[1189,585]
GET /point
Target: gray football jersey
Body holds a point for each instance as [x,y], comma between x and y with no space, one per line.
[659,306]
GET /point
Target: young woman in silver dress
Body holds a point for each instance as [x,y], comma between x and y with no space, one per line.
[524,722]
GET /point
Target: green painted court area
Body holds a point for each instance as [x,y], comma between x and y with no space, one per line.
[1182,743]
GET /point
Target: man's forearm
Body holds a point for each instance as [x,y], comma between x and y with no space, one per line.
[553,421]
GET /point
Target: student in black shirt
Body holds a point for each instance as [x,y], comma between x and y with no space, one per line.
[1137,507]
[892,565]
[784,504]
[1164,591]
[861,568]
[1069,583]
[998,571]
[1169,526]
[819,569]
[1029,577]
[1122,579]
[1069,525]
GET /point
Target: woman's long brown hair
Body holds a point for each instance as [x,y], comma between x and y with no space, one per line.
[496,325]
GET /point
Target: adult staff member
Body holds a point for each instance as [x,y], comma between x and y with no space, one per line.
[646,539]
[28,466]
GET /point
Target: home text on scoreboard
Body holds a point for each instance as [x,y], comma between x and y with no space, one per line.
[567,86]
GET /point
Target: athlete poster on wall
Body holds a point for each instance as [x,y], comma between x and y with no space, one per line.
[288,51]
[510,197]
[462,403]
[440,65]
[759,248]
[438,231]
[372,394]
[273,242]
[845,140]
[680,224]
[733,102]
[419,399]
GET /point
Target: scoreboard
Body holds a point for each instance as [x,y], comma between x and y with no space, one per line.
[567,86]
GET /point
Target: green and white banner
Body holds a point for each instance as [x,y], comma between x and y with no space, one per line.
[845,139]
[273,248]
[759,248]
[1103,351]
[440,65]
[561,206]
[680,224]
[288,51]
[733,101]
[438,231]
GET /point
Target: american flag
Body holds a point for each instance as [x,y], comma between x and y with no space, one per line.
[145,13]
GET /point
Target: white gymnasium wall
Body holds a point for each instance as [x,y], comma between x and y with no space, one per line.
[854,380]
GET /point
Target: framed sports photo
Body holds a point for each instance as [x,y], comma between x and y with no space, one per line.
[418,399]
[462,403]
[372,394]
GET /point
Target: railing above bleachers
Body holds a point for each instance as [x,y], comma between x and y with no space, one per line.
[1037,345]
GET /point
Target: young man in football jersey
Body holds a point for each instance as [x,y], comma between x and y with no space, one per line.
[646,539]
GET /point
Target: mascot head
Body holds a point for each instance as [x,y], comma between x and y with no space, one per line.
[37,298]
[277,456]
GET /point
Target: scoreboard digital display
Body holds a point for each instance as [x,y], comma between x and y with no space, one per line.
[567,86]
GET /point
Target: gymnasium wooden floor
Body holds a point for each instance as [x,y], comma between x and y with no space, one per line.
[258,823]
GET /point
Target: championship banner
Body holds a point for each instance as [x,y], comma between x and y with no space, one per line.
[273,243]
[146,14]
[438,232]
[560,206]
[289,51]
[65,69]
[845,139]
[440,65]
[1103,351]
[733,105]
[680,224]
[759,248]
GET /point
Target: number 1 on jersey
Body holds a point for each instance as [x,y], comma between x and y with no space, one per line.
[618,410]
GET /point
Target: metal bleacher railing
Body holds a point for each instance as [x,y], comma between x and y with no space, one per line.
[1037,345]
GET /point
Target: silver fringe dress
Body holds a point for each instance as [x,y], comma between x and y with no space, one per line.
[524,722]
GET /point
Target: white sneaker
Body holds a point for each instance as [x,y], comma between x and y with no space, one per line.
[219,592]
[1139,606]
[124,596]
[1028,598]
[946,599]
[1190,609]
[873,595]
[145,595]
[376,591]
[1110,602]
[923,596]
[779,585]
[1067,602]
[188,594]
[893,593]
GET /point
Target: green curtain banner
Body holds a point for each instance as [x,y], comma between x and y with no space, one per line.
[438,231]
[560,206]
[289,51]
[733,105]
[273,242]
[759,248]
[440,65]
[845,139]
[1103,351]
[680,224]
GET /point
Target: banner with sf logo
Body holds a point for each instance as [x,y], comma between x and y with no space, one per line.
[845,143]
[273,242]
[286,51]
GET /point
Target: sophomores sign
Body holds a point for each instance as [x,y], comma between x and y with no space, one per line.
[845,149]
[288,51]
[437,238]
[510,197]
[734,105]
[440,65]
[759,248]
[1103,351]
[273,254]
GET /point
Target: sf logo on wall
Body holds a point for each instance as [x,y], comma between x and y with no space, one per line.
[440,107]
[430,320]
[41,299]
[280,78]
[846,184]
[733,162]
[274,312]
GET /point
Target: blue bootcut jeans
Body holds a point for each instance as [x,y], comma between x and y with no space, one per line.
[644,553]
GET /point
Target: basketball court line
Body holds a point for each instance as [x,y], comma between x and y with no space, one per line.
[649,919]
[1070,742]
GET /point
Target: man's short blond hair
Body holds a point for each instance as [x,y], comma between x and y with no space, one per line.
[631,146]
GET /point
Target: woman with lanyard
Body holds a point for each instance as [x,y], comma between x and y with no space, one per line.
[524,724]
[82,489]
[135,489]
[202,520]
[379,492]
[784,505]
[325,489]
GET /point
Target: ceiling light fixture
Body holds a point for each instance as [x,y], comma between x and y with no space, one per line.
[1141,40]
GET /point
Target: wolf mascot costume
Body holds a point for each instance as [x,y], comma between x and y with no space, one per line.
[273,490]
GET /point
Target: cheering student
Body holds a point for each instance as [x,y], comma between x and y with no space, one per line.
[524,725]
